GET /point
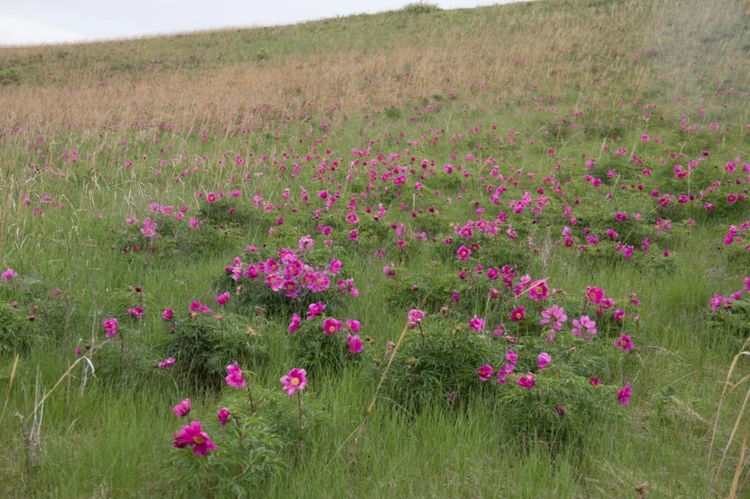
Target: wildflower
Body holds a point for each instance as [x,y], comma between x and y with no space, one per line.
[619,314]
[594,381]
[526,381]
[294,325]
[222,298]
[166,363]
[192,434]
[415,317]
[330,326]
[624,343]
[485,372]
[136,312]
[197,306]
[554,314]
[8,274]
[235,378]
[296,380]
[511,357]
[168,314]
[353,325]
[463,253]
[595,295]
[624,394]
[518,314]
[543,360]
[355,344]
[223,415]
[584,327]
[476,324]
[111,326]
[539,291]
[503,373]
[183,408]
[315,309]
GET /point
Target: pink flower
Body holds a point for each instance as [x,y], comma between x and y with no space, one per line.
[223,415]
[8,274]
[624,343]
[463,253]
[539,291]
[197,306]
[476,324]
[511,357]
[168,314]
[183,408]
[544,359]
[296,380]
[595,295]
[294,324]
[747,284]
[315,309]
[518,314]
[353,325]
[193,435]
[526,381]
[619,314]
[485,372]
[624,394]
[594,381]
[355,344]
[584,327]
[330,326]
[554,314]
[211,197]
[136,312]
[235,378]
[222,298]
[111,326]
[166,363]
[415,317]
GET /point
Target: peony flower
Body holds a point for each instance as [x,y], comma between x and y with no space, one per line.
[543,360]
[8,274]
[166,363]
[235,378]
[623,395]
[168,314]
[584,327]
[294,324]
[485,372]
[222,298]
[518,314]
[183,408]
[526,381]
[111,326]
[355,344]
[223,415]
[415,317]
[554,314]
[296,380]
[595,295]
[330,326]
[463,253]
[539,291]
[476,324]
[192,434]
[624,343]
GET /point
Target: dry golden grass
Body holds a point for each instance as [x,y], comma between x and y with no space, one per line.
[549,45]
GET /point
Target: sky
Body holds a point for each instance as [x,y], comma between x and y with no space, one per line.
[31,22]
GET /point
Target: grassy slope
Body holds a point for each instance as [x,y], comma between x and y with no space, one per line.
[485,66]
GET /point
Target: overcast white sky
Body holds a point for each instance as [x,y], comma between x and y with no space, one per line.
[51,21]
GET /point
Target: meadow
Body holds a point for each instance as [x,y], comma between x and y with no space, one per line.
[491,252]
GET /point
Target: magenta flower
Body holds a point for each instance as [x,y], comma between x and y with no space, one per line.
[222,298]
[296,380]
[415,317]
[8,275]
[294,324]
[476,324]
[136,312]
[485,372]
[594,381]
[168,314]
[330,326]
[503,373]
[463,253]
[539,291]
[197,306]
[111,326]
[595,295]
[619,314]
[543,360]
[518,314]
[235,378]
[624,394]
[315,309]
[584,327]
[355,344]
[353,325]
[526,381]
[166,363]
[554,314]
[183,408]
[192,434]
[511,357]
[624,343]
[223,415]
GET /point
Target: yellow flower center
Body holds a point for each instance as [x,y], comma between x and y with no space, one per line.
[331,329]
[539,290]
[199,440]
[295,381]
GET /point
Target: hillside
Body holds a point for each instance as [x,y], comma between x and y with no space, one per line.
[491,252]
